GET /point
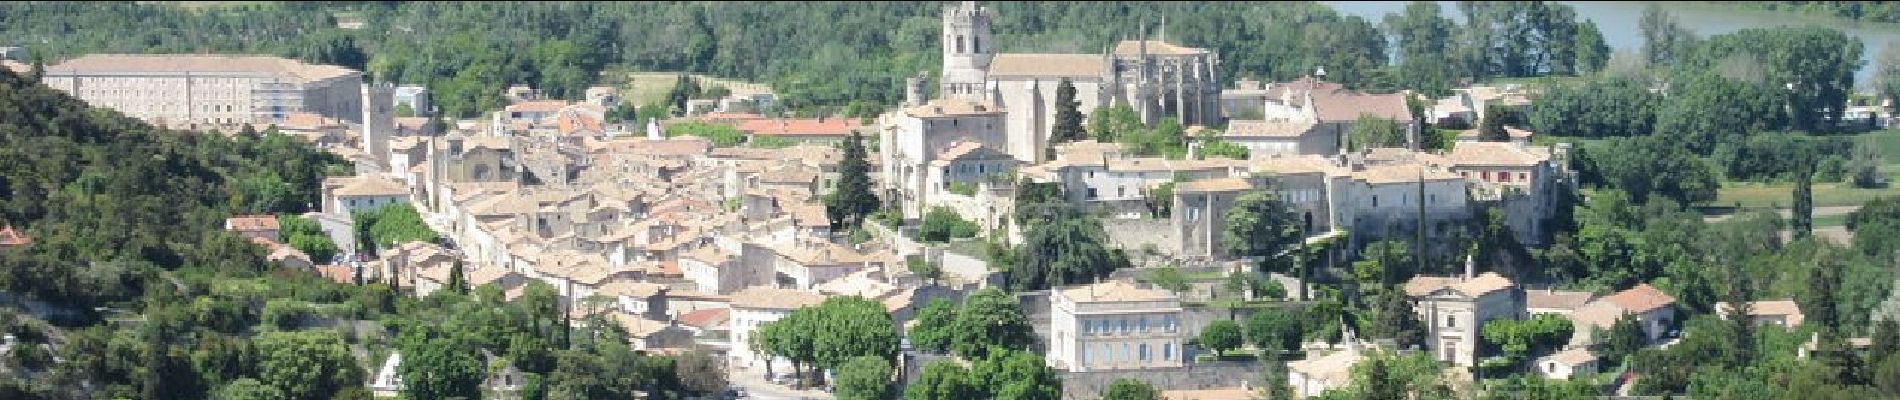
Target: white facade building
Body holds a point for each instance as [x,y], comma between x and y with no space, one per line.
[1115,325]
[180,90]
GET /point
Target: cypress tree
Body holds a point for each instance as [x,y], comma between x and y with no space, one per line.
[1068,126]
[847,204]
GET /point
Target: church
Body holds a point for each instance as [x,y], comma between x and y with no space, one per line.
[1156,78]
[1007,101]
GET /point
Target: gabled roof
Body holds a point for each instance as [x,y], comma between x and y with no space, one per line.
[1496,154]
[1475,287]
[761,297]
[1640,299]
[200,63]
[1556,299]
[708,318]
[366,185]
[1155,47]
[251,223]
[1046,65]
[1263,128]
[1115,291]
[1213,185]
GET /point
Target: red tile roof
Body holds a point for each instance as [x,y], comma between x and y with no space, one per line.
[339,273]
[1640,299]
[10,237]
[251,223]
[706,318]
[799,126]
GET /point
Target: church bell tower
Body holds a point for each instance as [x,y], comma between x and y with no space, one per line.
[967,49]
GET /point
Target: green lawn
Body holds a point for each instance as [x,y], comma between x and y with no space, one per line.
[1757,195]
[1825,194]
[1830,220]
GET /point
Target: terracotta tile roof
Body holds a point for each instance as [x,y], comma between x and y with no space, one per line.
[1573,356]
[1115,291]
[1640,299]
[251,223]
[1156,164]
[1494,154]
[1556,299]
[1214,185]
[1155,47]
[810,215]
[1384,174]
[1769,308]
[711,255]
[725,116]
[1260,128]
[338,273]
[1333,103]
[366,185]
[493,275]
[665,269]
[1294,165]
[308,121]
[1597,314]
[541,106]
[708,318]
[1047,65]
[282,68]
[834,126]
[632,289]
[761,297]
[638,327]
[1475,287]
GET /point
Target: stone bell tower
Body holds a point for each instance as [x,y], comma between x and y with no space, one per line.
[967,49]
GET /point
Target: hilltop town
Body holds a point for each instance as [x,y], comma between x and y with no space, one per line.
[1124,223]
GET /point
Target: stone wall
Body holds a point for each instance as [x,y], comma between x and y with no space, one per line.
[1090,385]
[1132,235]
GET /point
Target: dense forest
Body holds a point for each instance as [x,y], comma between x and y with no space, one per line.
[818,55]
[132,283]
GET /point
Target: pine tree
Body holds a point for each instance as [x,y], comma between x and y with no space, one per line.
[1068,127]
[847,205]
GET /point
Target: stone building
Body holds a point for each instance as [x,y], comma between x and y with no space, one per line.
[1455,308]
[1115,325]
[182,90]
[1156,78]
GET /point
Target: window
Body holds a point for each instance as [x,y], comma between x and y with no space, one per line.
[1144,324]
[1375,201]
[1087,328]
[1523,177]
[1142,352]
[1126,355]
[1169,322]
[1091,193]
[1124,325]
[1451,321]
[1485,174]
[1121,191]
[1167,352]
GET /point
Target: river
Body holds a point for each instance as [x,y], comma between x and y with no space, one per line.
[1618,22]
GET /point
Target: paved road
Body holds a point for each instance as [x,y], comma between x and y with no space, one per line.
[1787,212]
[757,388]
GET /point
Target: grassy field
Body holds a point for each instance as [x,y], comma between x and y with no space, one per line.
[650,87]
[1757,195]
[1825,194]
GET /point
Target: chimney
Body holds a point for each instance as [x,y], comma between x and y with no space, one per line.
[1471,267]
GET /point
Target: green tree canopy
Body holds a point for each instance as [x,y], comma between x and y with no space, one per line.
[990,319]
[1221,336]
[852,200]
[1131,389]
[864,378]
